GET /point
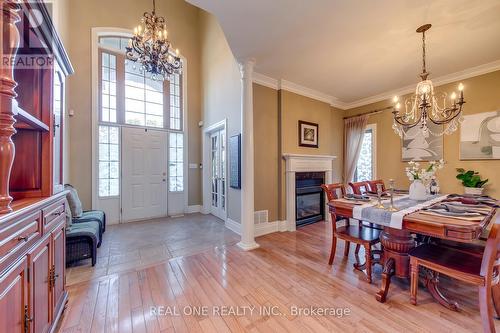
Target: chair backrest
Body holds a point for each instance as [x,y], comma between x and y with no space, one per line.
[373,185]
[491,253]
[332,190]
[359,187]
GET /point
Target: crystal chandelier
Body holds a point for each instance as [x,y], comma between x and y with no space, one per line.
[151,49]
[423,107]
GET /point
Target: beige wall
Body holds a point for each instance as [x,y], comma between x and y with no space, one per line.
[292,108]
[221,90]
[183,24]
[276,117]
[266,158]
[482,95]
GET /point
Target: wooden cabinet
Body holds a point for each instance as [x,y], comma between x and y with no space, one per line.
[32,92]
[32,271]
[14,298]
[40,269]
[58,245]
[32,207]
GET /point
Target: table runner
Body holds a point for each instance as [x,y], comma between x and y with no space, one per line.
[369,213]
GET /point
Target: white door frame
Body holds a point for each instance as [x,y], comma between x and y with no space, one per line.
[97,32]
[207,165]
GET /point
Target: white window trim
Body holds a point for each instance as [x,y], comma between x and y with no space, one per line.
[373,128]
[106,31]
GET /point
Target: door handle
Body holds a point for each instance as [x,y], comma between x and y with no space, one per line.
[164,180]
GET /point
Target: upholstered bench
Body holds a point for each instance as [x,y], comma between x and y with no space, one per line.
[92,215]
[82,240]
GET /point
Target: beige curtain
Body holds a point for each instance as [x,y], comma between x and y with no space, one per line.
[354,129]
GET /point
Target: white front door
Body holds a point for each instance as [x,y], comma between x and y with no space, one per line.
[218,173]
[144,175]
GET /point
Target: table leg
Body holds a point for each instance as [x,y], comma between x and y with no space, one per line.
[396,244]
[432,282]
[387,273]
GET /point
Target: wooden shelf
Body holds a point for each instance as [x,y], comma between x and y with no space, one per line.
[25,117]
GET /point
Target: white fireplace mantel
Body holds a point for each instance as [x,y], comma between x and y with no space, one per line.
[303,163]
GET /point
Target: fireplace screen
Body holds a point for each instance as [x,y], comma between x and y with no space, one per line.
[308,205]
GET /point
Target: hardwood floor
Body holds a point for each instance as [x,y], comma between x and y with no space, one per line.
[130,246]
[288,270]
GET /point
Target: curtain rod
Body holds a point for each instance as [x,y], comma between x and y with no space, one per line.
[371,113]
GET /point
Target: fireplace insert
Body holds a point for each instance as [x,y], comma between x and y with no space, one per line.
[309,198]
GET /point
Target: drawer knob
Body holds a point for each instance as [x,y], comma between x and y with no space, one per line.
[23,238]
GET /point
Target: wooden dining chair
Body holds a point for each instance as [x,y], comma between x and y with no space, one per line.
[357,234]
[373,185]
[465,266]
[360,187]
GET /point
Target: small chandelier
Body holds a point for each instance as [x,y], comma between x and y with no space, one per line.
[423,106]
[151,49]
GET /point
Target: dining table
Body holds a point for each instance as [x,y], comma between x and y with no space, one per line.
[397,241]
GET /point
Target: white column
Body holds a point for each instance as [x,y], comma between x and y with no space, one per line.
[247,158]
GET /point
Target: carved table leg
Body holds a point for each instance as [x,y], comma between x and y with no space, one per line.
[387,273]
[396,244]
[431,282]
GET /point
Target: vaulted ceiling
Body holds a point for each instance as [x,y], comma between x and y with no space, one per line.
[354,50]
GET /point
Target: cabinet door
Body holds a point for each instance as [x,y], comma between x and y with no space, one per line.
[59,265]
[14,298]
[58,123]
[40,286]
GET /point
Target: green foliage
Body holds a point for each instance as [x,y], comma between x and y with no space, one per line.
[470,178]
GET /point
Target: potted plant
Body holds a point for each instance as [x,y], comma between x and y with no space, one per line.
[471,180]
[419,176]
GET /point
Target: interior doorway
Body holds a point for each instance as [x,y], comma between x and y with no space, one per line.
[218,173]
[144,174]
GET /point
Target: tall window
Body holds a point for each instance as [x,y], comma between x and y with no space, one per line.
[365,168]
[108,88]
[175,103]
[176,157]
[109,161]
[143,99]
[129,97]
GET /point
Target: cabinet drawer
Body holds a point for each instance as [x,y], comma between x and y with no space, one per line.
[51,215]
[18,236]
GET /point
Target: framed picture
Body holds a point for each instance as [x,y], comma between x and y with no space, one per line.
[308,134]
[416,147]
[480,136]
[235,161]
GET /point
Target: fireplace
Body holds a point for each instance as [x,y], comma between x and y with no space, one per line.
[309,198]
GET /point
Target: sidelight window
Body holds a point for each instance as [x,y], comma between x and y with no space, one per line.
[109,161]
[176,162]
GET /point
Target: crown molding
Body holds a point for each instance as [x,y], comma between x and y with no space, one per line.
[265,81]
[335,102]
[276,84]
[304,91]
[439,81]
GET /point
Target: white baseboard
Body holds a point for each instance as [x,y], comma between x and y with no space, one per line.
[261,229]
[233,226]
[193,209]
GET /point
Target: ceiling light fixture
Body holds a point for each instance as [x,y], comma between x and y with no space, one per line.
[151,49]
[423,106]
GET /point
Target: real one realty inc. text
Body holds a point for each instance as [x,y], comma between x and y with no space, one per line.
[248,310]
